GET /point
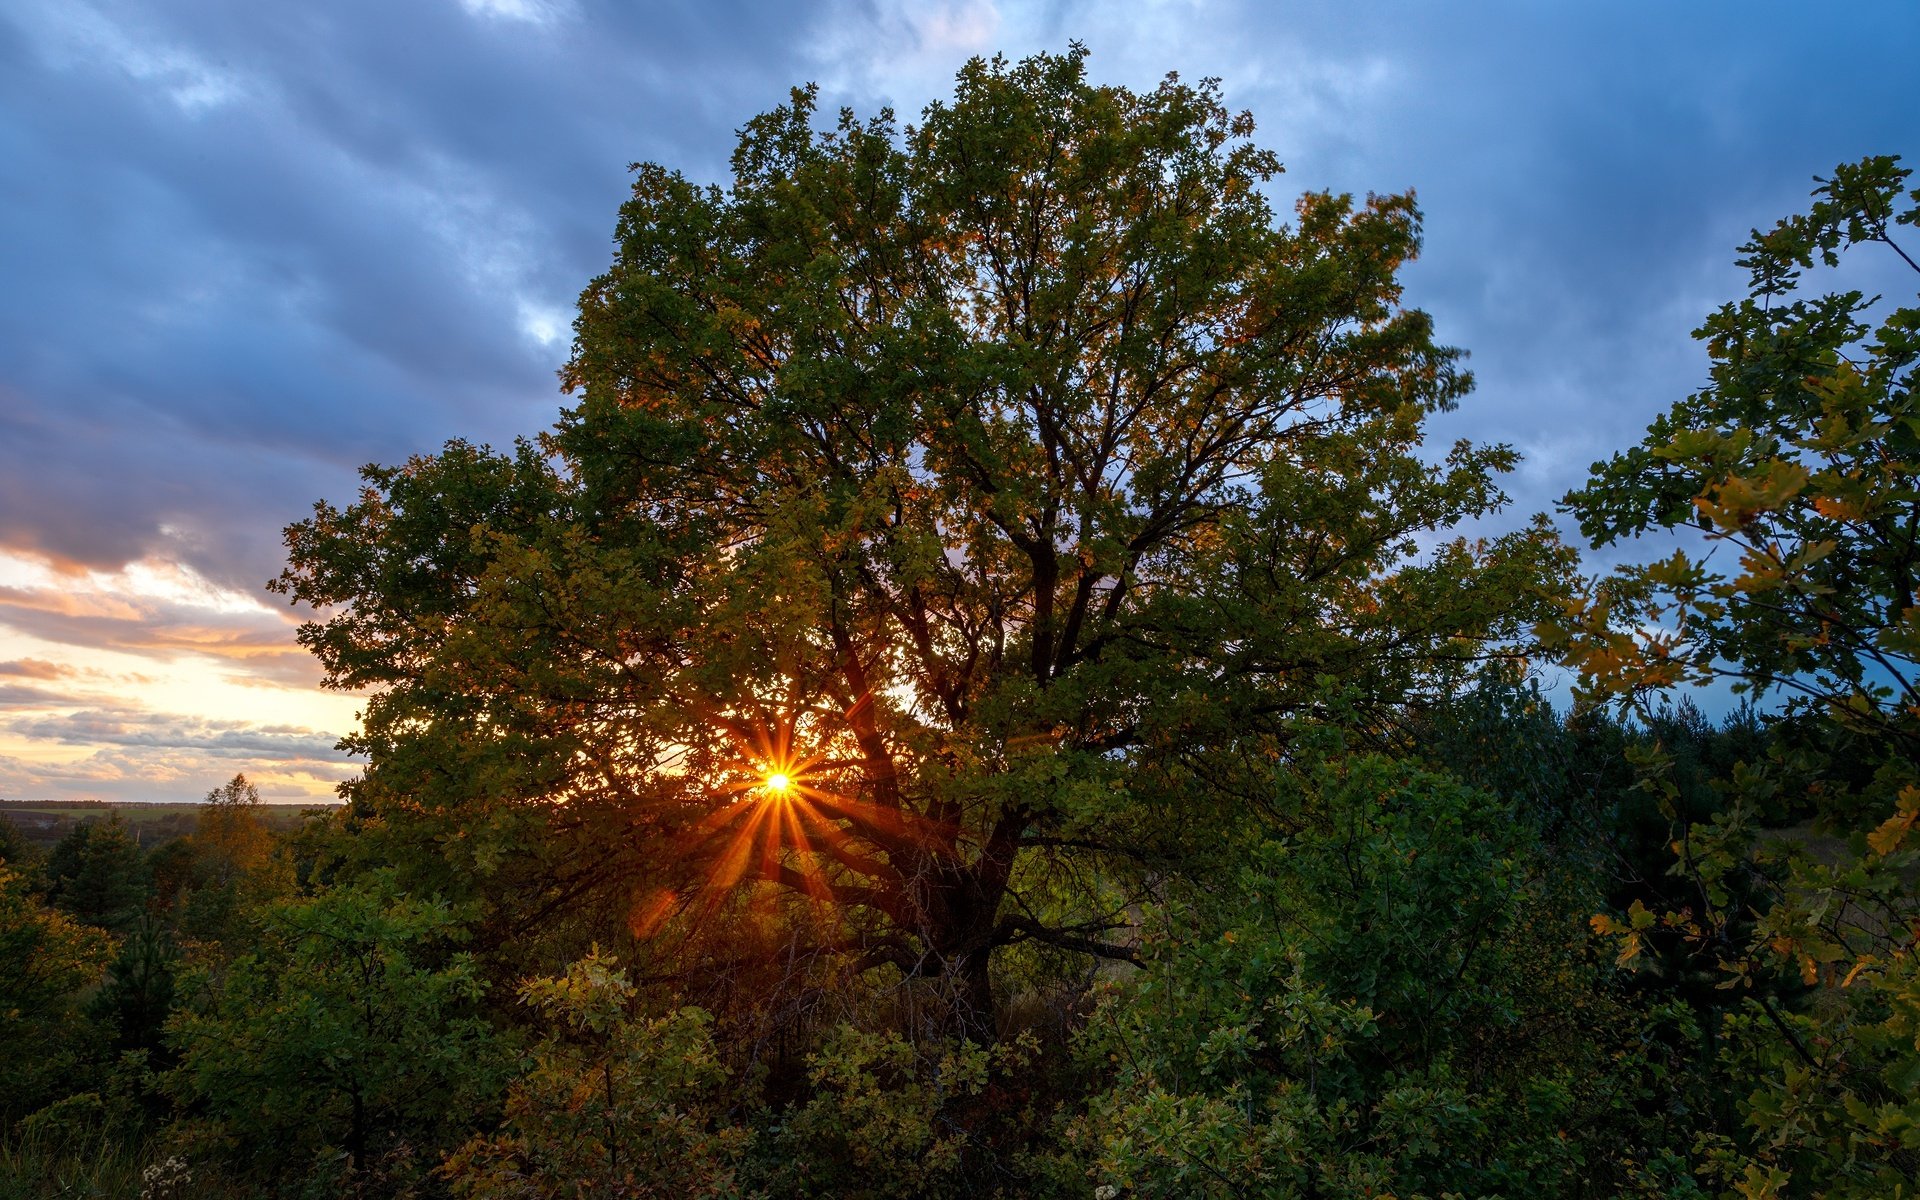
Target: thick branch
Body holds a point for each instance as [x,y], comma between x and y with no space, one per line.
[1025,929]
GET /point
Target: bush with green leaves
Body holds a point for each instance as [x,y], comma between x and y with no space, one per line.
[348,1033]
[1385,1000]
[1797,464]
[609,1103]
[887,1117]
[133,1002]
[15,849]
[48,962]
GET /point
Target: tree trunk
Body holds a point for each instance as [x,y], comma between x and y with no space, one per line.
[357,1133]
[959,918]
[974,1011]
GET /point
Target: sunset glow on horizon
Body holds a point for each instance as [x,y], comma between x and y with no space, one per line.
[153,683]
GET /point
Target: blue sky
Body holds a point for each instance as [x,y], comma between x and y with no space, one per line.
[245,248]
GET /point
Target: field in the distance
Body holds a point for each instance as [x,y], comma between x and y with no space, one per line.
[46,822]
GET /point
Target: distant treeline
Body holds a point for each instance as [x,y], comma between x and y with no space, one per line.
[43,823]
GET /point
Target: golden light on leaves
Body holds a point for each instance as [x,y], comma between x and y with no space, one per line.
[746,838]
[783,808]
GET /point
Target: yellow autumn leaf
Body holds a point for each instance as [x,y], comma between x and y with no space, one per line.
[1835,509]
[1639,916]
[1894,830]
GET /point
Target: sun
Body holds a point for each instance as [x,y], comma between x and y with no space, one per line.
[778,782]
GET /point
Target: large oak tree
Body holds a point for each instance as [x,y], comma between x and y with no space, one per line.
[995,481]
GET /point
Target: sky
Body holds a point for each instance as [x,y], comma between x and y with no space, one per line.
[246,248]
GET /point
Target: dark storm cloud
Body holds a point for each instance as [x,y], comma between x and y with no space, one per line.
[248,247]
[1585,194]
[251,247]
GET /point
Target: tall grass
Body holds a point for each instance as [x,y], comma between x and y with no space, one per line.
[74,1165]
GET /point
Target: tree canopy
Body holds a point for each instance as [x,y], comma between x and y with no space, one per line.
[979,476]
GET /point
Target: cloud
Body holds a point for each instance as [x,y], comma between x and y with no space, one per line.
[202,645]
[173,731]
[174,775]
[73,33]
[893,46]
[151,628]
[20,695]
[132,754]
[35,668]
[77,687]
[246,248]
[530,12]
[59,685]
[372,243]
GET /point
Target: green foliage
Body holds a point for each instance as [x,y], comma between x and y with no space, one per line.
[1831,1094]
[171,865]
[613,1102]
[1048,509]
[97,874]
[891,1119]
[229,833]
[231,866]
[1800,460]
[137,995]
[115,1107]
[1384,1002]
[346,1034]
[48,961]
[15,849]
[609,1103]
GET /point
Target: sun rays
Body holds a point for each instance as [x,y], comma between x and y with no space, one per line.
[773,821]
[780,788]
[785,805]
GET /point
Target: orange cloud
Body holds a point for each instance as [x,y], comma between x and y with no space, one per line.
[148,627]
[35,668]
